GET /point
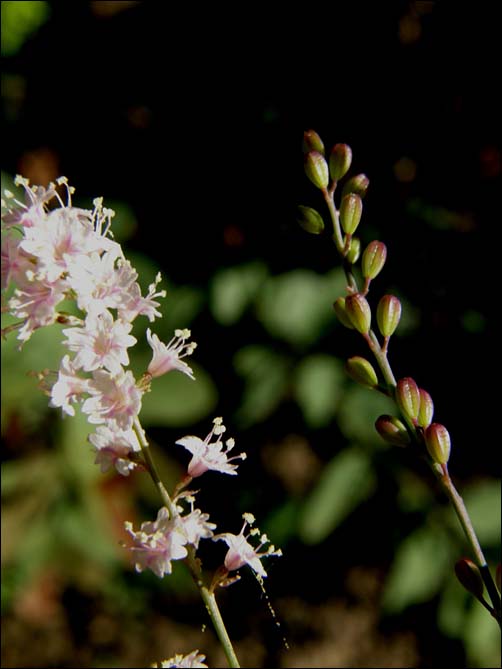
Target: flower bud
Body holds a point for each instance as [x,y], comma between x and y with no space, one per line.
[340,160]
[470,577]
[437,440]
[351,210]
[310,220]
[408,397]
[312,142]
[316,168]
[392,430]
[359,312]
[373,259]
[352,254]
[426,410]
[339,307]
[357,184]
[388,314]
[361,371]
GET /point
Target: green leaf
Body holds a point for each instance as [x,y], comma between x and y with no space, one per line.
[358,410]
[233,289]
[266,376]
[481,636]
[418,570]
[176,399]
[297,306]
[319,381]
[483,500]
[346,481]
[19,21]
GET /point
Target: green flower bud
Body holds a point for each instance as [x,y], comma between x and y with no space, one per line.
[310,220]
[408,397]
[359,312]
[361,371]
[339,307]
[470,577]
[392,430]
[340,160]
[312,142]
[388,314]
[357,184]
[373,259]
[437,440]
[352,254]
[316,168]
[426,410]
[351,210]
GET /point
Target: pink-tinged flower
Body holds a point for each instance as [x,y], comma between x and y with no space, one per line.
[240,552]
[15,262]
[61,239]
[35,301]
[101,282]
[157,543]
[69,387]
[114,449]
[209,454]
[136,305]
[193,660]
[196,525]
[103,342]
[168,357]
[32,211]
[115,399]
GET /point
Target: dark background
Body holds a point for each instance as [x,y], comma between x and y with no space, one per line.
[194,117]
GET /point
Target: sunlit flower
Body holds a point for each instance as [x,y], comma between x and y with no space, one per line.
[157,543]
[114,449]
[30,212]
[209,454]
[135,305]
[103,342]
[196,525]
[193,660]
[168,356]
[69,387]
[115,399]
[241,552]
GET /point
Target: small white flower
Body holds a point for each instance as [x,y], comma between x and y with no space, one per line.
[114,448]
[193,660]
[115,400]
[69,387]
[241,552]
[102,342]
[209,454]
[157,543]
[168,356]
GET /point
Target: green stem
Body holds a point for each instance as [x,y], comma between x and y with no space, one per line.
[191,561]
[466,523]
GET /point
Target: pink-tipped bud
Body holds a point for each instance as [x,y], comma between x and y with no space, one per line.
[359,312]
[357,184]
[341,313]
[388,314]
[361,371]
[351,210]
[437,440]
[373,259]
[426,410]
[310,220]
[392,430]
[312,142]
[316,168]
[340,160]
[354,251]
[408,397]
[470,577]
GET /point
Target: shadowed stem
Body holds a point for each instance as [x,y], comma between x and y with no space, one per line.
[191,561]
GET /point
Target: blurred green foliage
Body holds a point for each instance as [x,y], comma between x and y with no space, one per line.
[19,21]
